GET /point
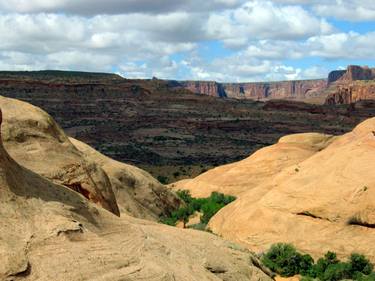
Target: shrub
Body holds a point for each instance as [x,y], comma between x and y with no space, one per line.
[362,277]
[322,264]
[359,263]
[337,271]
[163,179]
[184,196]
[169,220]
[209,209]
[208,206]
[286,261]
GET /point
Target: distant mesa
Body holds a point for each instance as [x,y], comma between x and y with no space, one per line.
[298,90]
[352,85]
[333,90]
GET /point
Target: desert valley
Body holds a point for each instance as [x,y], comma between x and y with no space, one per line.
[164,140]
[311,172]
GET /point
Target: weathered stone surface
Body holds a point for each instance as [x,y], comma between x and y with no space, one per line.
[315,191]
[137,192]
[34,139]
[50,232]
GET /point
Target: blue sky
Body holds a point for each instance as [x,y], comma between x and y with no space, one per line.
[222,40]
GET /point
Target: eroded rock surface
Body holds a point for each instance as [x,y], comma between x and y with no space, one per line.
[34,140]
[50,232]
[314,191]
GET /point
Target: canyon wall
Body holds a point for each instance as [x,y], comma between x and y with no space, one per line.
[258,91]
[352,85]
[352,93]
[342,87]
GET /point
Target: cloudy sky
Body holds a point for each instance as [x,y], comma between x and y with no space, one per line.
[223,40]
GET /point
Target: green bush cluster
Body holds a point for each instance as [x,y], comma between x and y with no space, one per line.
[163,179]
[207,206]
[286,261]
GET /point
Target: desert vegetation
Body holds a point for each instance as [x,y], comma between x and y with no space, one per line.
[207,206]
[286,261]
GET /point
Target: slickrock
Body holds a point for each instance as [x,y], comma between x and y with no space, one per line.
[136,191]
[323,200]
[50,232]
[35,141]
[240,177]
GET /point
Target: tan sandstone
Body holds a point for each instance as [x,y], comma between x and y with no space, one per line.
[50,232]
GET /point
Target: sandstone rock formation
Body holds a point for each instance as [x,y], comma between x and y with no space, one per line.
[352,93]
[315,191]
[355,72]
[50,232]
[137,192]
[210,88]
[354,84]
[335,75]
[258,91]
[34,140]
[240,177]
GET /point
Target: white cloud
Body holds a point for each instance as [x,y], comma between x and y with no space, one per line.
[342,46]
[139,38]
[352,10]
[94,7]
[263,19]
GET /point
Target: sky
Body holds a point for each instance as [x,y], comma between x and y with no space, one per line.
[222,40]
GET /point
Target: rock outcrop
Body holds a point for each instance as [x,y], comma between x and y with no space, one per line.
[136,191]
[352,93]
[240,177]
[355,72]
[43,223]
[34,140]
[258,91]
[315,191]
[210,88]
[352,85]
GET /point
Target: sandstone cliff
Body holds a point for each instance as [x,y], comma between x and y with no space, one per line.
[351,85]
[352,93]
[301,90]
[315,191]
[50,232]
